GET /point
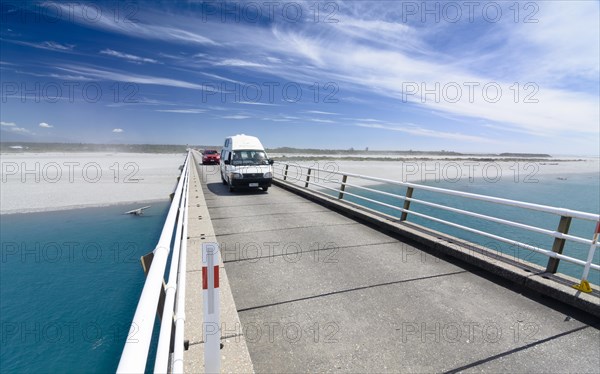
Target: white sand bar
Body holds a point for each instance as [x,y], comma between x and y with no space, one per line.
[52,181]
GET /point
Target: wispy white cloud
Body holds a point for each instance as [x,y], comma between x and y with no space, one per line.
[333,53]
[255,103]
[182,111]
[135,28]
[416,130]
[371,57]
[221,78]
[353,99]
[562,46]
[111,75]
[512,129]
[59,46]
[45,125]
[282,118]
[370,69]
[118,131]
[234,62]
[144,101]
[302,46]
[364,120]
[236,116]
[128,57]
[215,107]
[67,77]
[48,45]
[12,127]
[175,34]
[276,119]
[179,57]
[387,34]
[319,120]
[21,130]
[321,112]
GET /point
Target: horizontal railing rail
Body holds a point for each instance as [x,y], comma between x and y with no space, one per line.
[135,352]
[180,301]
[305,177]
[161,364]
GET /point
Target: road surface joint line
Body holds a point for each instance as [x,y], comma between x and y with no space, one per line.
[350,290]
[515,350]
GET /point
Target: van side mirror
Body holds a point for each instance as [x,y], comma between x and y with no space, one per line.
[226,162]
[271,161]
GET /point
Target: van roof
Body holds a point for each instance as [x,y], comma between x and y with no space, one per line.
[243,141]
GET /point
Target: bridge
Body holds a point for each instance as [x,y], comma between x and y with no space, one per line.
[312,282]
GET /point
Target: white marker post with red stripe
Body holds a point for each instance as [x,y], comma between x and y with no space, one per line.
[211,330]
[584,286]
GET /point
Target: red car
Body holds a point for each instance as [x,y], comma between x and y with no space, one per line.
[210,156]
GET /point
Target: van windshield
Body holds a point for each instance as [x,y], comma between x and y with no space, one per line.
[249,157]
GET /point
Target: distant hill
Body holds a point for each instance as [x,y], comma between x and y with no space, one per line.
[523,155]
[351,151]
[17,147]
[358,152]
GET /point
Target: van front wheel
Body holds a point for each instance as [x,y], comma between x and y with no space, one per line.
[265,189]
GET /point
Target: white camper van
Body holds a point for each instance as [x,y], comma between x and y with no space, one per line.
[244,163]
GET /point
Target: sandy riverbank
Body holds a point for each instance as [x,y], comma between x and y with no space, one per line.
[51,181]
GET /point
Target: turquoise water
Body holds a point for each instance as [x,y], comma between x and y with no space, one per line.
[70,280]
[69,284]
[578,192]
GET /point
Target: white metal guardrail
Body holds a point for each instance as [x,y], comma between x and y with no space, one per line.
[305,177]
[180,302]
[135,352]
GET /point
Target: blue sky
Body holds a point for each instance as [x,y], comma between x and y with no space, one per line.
[463,76]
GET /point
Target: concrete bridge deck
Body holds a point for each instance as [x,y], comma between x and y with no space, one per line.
[317,291]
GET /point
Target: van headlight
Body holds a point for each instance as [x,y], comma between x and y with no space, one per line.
[237,175]
[268,174]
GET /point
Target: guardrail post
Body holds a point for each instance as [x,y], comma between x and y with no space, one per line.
[584,285]
[286,171]
[211,328]
[409,192]
[307,178]
[342,187]
[559,244]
